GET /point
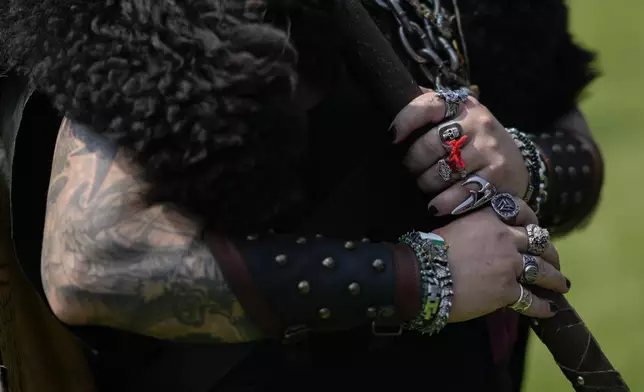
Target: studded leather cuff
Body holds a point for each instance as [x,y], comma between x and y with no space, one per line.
[575,178]
[289,285]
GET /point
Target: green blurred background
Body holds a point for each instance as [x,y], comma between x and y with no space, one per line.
[605,261]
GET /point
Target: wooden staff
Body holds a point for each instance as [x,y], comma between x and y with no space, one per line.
[374,61]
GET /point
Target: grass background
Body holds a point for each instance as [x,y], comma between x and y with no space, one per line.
[605,261]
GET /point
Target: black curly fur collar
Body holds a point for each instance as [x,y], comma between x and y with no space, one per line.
[200,89]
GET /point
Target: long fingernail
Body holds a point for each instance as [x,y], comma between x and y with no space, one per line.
[432,210]
[554,308]
[568,284]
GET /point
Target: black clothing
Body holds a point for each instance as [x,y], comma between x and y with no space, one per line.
[460,358]
[350,359]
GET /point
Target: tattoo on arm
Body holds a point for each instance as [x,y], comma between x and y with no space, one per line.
[124,264]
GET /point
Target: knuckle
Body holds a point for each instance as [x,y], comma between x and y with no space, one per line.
[487,122]
[474,101]
[503,168]
[491,143]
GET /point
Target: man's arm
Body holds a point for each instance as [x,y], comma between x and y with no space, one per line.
[110,260]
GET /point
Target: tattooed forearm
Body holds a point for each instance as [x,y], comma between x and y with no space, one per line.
[110,260]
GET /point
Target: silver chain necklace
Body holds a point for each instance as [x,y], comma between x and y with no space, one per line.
[425,30]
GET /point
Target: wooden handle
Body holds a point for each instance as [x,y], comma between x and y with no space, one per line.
[575,349]
[372,60]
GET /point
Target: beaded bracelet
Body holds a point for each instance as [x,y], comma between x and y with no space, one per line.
[436,281]
[537,192]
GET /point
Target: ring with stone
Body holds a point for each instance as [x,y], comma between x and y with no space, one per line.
[538,239]
[531,269]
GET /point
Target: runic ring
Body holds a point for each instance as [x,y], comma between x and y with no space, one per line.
[538,239]
[506,207]
[453,100]
[530,269]
[524,302]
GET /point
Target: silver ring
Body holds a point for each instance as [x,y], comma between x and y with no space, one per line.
[448,133]
[477,197]
[506,207]
[524,302]
[531,269]
[453,100]
[538,239]
[445,170]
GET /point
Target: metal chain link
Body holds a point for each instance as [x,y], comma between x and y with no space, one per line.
[425,32]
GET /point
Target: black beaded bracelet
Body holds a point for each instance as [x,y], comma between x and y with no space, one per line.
[436,281]
[537,192]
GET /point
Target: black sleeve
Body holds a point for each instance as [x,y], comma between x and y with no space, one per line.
[575,178]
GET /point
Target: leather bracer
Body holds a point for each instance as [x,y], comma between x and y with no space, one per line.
[289,284]
[575,179]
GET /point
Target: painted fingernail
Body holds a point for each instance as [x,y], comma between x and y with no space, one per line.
[393,132]
[432,210]
[554,308]
[568,283]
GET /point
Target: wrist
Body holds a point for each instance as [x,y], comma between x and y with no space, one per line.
[291,285]
[408,294]
[435,281]
[537,191]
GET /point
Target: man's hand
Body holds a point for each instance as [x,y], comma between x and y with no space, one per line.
[489,152]
[485,257]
